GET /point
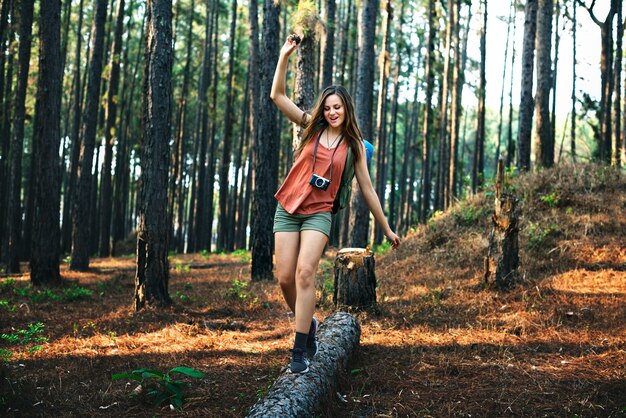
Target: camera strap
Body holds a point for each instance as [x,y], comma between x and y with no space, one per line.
[317,143]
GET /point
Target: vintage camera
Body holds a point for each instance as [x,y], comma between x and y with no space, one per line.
[319,182]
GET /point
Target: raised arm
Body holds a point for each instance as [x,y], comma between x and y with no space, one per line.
[284,103]
[371,198]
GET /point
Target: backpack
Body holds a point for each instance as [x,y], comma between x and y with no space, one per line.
[345,187]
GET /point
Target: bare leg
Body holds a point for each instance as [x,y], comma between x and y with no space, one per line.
[311,248]
[286,251]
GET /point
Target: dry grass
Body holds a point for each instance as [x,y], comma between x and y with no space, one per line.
[442,345]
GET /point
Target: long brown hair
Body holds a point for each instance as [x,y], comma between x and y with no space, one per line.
[349,129]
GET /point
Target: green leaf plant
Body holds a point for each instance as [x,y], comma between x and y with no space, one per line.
[161,387]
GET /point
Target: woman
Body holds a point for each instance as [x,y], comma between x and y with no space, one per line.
[305,200]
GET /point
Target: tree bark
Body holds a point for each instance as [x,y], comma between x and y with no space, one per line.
[384,62]
[355,279]
[478,168]
[573,111]
[152,276]
[14,212]
[302,395]
[545,146]
[75,137]
[425,179]
[503,250]
[329,44]
[81,232]
[226,219]
[304,89]
[359,215]
[109,134]
[526,90]
[265,154]
[45,251]
[616,145]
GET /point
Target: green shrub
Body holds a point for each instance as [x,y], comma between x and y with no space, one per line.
[161,387]
[76,293]
[237,290]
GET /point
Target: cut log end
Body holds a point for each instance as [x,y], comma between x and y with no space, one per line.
[302,395]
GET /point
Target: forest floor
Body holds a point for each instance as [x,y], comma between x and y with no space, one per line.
[443,343]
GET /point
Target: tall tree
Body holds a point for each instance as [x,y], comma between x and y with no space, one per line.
[545,147]
[574,76]
[506,55]
[616,146]
[478,168]
[526,91]
[5,101]
[177,194]
[81,230]
[75,136]
[510,148]
[328,47]
[384,62]
[304,90]
[428,115]
[45,251]
[359,215]
[265,153]
[109,133]
[152,276]
[606,77]
[14,212]
[226,219]
[443,169]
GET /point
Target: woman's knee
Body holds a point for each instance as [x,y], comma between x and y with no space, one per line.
[305,276]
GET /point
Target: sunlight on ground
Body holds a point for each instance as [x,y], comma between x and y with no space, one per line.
[591,282]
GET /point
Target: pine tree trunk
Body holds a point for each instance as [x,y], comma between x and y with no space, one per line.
[226,220]
[14,213]
[75,138]
[510,149]
[359,214]
[617,136]
[444,134]
[428,116]
[526,90]
[573,111]
[456,109]
[506,57]
[45,251]
[381,117]
[478,167]
[152,276]
[266,145]
[109,134]
[122,165]
[197,168]
[304,89]
[82,231]
[5,139]
[329,44]
[545,148]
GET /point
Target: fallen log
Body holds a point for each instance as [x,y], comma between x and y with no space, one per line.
[301,395]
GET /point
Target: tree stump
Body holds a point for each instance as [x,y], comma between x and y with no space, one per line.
[355,279]
[503,250]
[302,395]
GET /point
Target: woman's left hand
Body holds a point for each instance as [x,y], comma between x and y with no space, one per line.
[394,239]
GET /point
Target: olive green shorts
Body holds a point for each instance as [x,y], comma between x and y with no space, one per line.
[296,222]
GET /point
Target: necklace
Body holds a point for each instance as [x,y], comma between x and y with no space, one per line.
[330,145]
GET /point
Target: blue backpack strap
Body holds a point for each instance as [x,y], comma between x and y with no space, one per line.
[345,188]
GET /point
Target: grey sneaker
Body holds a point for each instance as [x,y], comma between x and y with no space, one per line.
[299,362]
[311,342]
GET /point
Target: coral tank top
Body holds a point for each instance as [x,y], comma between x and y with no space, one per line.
[296,195]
